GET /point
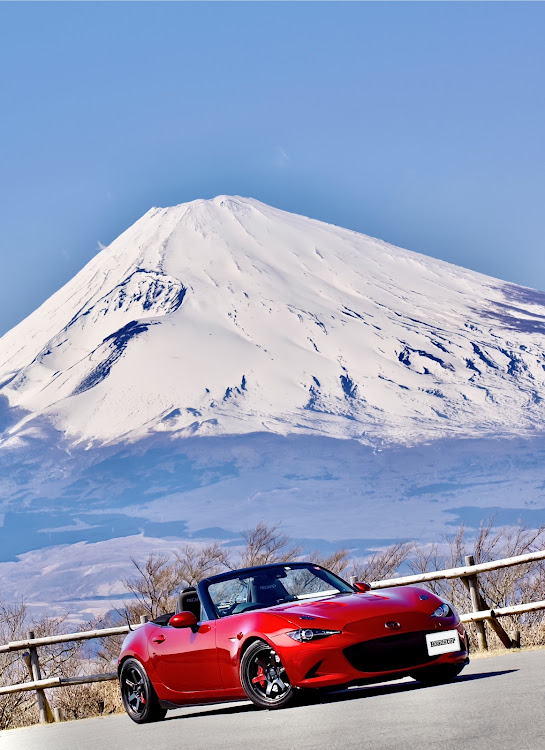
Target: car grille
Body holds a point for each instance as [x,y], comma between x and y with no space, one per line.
[400,651]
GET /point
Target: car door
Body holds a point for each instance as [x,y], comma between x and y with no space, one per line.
[186,659]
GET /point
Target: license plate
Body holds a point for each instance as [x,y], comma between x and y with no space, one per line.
[443,642]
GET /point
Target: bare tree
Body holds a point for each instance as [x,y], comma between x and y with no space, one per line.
[160,578]
[266,543]
[384,563]
[19,709]
[12,667]
[337,562]
[152,586]
[499,588]
[504,587]
[451,554]
[195,563]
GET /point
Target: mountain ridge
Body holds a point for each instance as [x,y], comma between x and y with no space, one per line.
[315,329]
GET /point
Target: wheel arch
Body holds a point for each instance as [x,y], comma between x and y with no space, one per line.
[121,662]
[248,642]
[254,638]
[125,658]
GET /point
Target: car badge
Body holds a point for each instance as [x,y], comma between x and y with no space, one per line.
[392,625]
[306,617]
[423,597]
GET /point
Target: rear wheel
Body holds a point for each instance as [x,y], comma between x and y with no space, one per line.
[438,675]
[264,678]
[138,695]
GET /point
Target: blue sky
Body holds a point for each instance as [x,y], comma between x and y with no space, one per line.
[420,123]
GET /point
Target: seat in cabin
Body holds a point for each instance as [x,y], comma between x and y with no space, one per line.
[188,601]
[267,591]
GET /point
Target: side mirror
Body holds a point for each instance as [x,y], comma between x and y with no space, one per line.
[183,620]
[361,587]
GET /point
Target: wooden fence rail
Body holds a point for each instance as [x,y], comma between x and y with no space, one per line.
[468,573]
[464,572]
[51,682]
[49,640]
[517,609]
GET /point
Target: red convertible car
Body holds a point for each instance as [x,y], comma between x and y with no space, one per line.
[271,632]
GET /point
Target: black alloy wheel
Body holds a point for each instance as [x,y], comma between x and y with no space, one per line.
[139,697]
[264,678]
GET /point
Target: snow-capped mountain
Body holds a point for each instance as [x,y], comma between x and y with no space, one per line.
[227,316]
[224,362]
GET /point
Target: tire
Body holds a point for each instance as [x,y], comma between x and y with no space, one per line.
[264,678]
[438,675]
[139,698]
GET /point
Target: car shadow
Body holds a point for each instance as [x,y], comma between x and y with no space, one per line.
[348,694]
[369,691]
[223,709]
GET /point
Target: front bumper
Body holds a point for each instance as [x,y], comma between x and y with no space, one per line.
[355,656]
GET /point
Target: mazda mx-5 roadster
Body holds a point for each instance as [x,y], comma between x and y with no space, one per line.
[271,633]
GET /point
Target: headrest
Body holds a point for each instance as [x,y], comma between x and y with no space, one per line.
[266,589]
[188,601]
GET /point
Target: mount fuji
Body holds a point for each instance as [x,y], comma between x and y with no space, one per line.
[223,361]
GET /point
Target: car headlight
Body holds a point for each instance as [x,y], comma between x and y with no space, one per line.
[311,634]
[443,611]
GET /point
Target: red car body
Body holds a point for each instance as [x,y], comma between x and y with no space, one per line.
[379,635]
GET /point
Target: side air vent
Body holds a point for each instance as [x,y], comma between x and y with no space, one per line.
[312,672]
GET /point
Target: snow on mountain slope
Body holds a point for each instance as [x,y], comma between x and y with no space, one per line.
[227,316]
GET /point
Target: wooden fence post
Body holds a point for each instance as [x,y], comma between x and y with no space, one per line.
[500,632]
[37,675]
[473,583]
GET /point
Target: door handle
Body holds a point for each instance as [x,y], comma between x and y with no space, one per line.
[158,639]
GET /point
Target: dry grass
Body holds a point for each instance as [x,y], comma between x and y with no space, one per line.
[503,652]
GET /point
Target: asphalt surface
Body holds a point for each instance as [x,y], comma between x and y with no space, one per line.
[496,703]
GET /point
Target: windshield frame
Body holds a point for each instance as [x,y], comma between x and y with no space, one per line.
[208,604]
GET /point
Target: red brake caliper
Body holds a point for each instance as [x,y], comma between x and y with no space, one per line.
[260,677]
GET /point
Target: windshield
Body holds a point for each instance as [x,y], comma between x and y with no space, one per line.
[267,587]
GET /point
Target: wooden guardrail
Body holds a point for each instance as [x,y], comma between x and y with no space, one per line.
[50,640]
[468,570]
[51,682]
[31,657]
[468,574]
[516,609]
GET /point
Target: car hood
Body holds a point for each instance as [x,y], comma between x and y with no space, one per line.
[337,611]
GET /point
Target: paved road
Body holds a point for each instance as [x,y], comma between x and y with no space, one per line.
[497,704]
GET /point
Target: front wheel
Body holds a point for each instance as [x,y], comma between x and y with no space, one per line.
[438,675]
[139,697]
[264,678]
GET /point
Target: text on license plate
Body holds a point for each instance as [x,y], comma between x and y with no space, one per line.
[443,642]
